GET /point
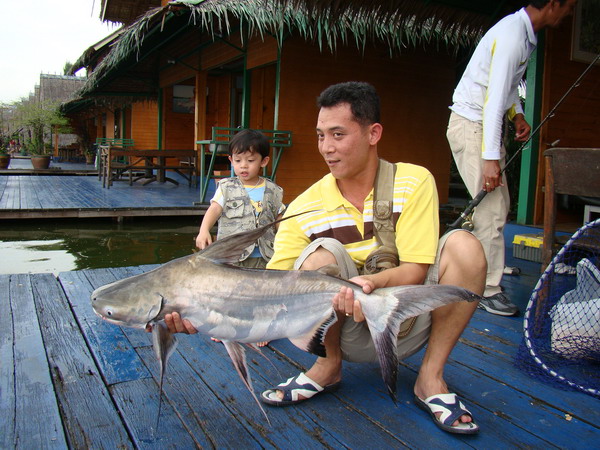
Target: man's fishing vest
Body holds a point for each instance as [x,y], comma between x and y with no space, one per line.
[385,256]
[239,214]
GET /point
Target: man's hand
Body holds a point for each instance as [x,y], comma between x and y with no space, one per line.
[491,175]
[177,325]
[344,302]
[522,128]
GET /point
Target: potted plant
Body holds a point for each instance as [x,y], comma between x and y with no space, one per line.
[38,119]
[4,157]
[90,154]
[40,154]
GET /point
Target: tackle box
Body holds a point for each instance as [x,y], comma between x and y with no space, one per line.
[528,246]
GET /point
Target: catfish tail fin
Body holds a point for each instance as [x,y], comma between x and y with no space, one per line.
[385,310]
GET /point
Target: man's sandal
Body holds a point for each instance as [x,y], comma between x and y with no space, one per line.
[451,409]
[293,388]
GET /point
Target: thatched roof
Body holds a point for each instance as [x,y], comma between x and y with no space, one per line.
[58,88]
[125,11]
[94,54]
[396,23]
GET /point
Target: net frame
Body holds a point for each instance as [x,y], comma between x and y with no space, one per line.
[530,355]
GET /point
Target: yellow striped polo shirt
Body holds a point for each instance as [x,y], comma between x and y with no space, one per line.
[329,214]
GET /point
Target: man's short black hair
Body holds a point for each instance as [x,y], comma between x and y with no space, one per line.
[362,98]
[539,4]
[249,141]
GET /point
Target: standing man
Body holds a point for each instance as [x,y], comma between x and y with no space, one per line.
[485,95]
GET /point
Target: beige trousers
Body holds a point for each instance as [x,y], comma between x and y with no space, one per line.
[465,139]
[355,341]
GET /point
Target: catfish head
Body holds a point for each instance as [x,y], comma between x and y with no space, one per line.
[130,302]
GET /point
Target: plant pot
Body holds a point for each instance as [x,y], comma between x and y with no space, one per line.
[4,161]
[89,158]
[40,161]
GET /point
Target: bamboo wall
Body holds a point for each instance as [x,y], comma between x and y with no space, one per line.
[144,125]
[415,89]
[178,129]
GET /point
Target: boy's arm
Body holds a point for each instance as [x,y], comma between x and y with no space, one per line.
[211,216]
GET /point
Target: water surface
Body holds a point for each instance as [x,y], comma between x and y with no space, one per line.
[56,246]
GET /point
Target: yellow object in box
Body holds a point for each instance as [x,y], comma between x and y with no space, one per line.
[529,240]
[528,246]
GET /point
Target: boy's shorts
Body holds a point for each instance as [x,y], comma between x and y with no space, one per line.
[356,342]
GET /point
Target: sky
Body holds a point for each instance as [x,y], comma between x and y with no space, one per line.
[40,36]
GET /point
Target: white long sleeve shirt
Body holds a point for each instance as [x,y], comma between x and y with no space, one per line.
[488,88]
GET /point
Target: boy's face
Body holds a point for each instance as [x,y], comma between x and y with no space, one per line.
[247,166]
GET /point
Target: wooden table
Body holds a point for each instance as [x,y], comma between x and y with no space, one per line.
[153,163]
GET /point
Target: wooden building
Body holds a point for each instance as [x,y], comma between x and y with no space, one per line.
[262,63]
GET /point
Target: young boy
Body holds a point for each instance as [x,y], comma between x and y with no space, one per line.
[246,201]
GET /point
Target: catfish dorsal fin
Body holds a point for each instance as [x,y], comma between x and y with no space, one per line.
[228,250]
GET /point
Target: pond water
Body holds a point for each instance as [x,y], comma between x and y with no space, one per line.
[57,246]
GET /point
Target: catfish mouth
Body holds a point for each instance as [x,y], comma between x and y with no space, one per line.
[118,316]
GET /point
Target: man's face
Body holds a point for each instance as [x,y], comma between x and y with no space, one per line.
[343,142]
[559,12]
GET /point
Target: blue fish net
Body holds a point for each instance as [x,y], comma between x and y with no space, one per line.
[561,342]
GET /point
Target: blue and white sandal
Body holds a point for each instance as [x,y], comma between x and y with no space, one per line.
[451,409]
[293,388]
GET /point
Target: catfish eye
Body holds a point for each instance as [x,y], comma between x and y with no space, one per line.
[108,312]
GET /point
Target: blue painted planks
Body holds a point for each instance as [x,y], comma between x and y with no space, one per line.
[111,349]
[33,391]
[7,368]
[80,192]
[89,416]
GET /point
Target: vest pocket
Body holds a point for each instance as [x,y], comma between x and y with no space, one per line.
[234,208]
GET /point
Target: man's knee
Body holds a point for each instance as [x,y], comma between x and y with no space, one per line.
[317,259]
[463,262]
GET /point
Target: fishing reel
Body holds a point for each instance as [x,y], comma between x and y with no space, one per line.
[468,223]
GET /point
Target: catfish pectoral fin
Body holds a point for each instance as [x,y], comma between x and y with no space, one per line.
[238,358]
[163,343]
[385,310]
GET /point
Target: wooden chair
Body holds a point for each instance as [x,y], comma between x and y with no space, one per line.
[572,171]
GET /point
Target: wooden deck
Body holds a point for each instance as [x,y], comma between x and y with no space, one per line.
[64,195]
[70,380]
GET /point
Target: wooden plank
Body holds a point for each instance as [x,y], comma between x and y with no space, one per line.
[37,418]
[136,401]
[324,421]
[7,375]
[527,404]
[113,353]
[195,403]
[364,389]
[89,417]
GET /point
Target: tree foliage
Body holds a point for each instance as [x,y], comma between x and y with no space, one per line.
[38,119]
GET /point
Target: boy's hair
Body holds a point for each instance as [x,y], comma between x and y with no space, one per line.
[249,141]
[539,4]
[362,98]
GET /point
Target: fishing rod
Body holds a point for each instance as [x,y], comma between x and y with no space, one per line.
[463,221]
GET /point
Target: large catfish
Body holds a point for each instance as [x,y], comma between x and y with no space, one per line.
[245,306]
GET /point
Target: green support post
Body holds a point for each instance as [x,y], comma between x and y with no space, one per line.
[529,157]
